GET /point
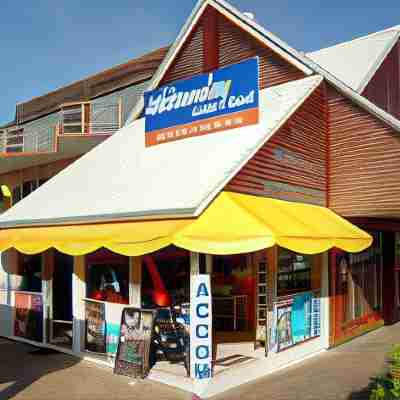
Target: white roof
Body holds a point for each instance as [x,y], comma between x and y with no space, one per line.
[122,179]
[355,62]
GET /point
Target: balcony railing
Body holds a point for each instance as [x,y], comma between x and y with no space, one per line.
[101,116]
[20,140]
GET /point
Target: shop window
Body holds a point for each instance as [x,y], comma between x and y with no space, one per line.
[166,273]
[23,190]
[360,281]
[30,272]
[294,272]
[108,282]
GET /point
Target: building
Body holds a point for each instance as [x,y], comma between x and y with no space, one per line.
[143,208]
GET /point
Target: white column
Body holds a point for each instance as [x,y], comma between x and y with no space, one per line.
[209,264]
[78,306]
[325,300]
[194,263]
[135,281]
[46,288]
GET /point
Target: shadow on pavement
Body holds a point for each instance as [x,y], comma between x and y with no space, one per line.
[21,365]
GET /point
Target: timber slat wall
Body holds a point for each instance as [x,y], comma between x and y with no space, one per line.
[189,61]
[304,135]
[234,45]
[384,88]
[132,72]
[364,162]
[44,171]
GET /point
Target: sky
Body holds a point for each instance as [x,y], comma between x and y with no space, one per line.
[46,44]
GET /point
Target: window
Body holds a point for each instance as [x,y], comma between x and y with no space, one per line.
[27,187]
[15,141]
[30,268]
[294,272]
[108,282]
[360,280]
[72,119]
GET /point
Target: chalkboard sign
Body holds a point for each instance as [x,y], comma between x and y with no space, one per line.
[134,342]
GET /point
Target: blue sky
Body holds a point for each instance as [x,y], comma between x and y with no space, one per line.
[46,44]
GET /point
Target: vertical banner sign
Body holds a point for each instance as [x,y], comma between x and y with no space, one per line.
[223,99]
[200,327]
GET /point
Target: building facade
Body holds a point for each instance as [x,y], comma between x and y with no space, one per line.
[325,137]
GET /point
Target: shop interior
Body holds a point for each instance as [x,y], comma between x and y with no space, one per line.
[60,332]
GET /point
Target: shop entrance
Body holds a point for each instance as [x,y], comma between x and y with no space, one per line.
[60,332]
[233,294]
[166,282]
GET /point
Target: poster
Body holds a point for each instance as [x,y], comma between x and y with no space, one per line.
[113,320]
[301,317]
[95,326]
[28,316]
[295,319]
[136,333]
[284,327]
[200,327]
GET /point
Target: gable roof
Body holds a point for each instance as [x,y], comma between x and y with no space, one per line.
[122,179]
[269,39]
[355,62]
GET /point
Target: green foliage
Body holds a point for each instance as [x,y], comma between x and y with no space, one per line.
[388,387]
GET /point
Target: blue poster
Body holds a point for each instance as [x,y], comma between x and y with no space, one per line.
[301,317]
[112,338]
[223,99]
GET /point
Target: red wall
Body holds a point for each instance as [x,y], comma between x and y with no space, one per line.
[384,87]
[303,140]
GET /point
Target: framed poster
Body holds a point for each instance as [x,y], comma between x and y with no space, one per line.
[136,333]
[28,316]
[295,320]
[95,316]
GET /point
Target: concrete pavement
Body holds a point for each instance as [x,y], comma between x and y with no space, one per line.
[341,373]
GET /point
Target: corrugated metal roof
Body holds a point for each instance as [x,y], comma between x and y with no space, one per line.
[121,179]
[356,61]
[132,72]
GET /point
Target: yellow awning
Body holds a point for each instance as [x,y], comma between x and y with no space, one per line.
[233,223]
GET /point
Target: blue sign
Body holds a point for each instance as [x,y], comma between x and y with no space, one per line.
[200,327]
[224,99]
[301,317]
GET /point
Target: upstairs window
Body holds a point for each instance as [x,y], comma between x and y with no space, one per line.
[14,141]
[72,117]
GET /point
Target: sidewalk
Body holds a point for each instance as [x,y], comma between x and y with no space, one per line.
[26,374]
[341,373]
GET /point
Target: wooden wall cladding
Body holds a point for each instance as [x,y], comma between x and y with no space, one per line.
[364,162]
[132,72]
[217,37]
[189,60]
[296,154]
[384,87]
[15,178]
[236,45]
